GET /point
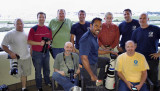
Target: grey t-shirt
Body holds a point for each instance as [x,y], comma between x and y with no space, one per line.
[59,62]
[17,42]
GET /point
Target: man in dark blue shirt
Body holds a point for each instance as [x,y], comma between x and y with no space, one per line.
[79,29]
[147,38]
[126,28]
[88,52]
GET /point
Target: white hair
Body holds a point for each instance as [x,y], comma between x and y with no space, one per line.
[68,43]
[144,14]
[61,10]
[108,13]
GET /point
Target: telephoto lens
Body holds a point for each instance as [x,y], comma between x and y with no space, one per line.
[113,56]
[14,65]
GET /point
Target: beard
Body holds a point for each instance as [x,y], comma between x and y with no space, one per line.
[96,32]
[68,52]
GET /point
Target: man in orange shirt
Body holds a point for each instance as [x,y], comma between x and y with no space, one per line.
[109,35]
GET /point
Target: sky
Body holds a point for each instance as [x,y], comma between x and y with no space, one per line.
[29,8]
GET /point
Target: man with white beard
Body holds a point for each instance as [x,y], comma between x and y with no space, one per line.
[66,62]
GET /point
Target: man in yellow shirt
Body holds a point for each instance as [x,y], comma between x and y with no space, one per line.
[132,69]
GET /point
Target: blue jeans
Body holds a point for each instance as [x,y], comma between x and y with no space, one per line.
[88,83]
[64,81]
[123,86]
[55,51]
[40,61]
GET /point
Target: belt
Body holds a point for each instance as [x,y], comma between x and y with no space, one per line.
[107,46]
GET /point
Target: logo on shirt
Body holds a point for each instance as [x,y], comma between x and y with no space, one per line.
[135,62]
[133,27]
[150,34]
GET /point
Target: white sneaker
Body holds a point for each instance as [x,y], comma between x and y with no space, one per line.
[76,88]
[99,82]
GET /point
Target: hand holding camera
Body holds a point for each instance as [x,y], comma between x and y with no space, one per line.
[71,72]
[14,64]
[45,43]
[94,77]
[13,56]
[42,43]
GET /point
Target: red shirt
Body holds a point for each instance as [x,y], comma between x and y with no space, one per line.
[36,35]
[109,35]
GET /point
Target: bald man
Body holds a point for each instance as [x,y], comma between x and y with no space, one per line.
[15,43]
[64,62]
[132,69]
[147,39]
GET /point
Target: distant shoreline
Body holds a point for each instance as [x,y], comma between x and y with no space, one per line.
[8,25]
[4,29]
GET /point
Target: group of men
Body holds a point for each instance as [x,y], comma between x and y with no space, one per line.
[92,39]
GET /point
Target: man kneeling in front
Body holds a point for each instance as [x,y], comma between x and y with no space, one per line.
[66,69]
[132,69]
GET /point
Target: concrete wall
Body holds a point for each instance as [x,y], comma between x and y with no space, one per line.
[6,78]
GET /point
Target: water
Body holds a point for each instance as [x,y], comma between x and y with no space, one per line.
[26,30]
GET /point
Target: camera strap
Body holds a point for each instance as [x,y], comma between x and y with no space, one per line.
[65,60]
[58,29]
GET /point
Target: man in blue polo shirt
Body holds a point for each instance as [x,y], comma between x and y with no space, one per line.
[126,28]
[79,29]
[147,38]
[88,52]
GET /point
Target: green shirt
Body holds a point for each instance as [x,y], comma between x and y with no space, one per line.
[61,66]
[63,34]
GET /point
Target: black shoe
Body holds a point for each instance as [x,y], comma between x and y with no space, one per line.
[25,90]
[40,89]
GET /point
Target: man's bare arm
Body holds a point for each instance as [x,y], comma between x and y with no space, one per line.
[72,40]
[129,85]
[86,65]
[6,49]
[143,79]
[60,72]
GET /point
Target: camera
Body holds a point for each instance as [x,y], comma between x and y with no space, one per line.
[134,89]
[14,65]
[110,79]
[71,72]
[3,87]
[113,56]
[45,47]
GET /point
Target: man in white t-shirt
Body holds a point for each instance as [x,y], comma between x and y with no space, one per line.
[15,43]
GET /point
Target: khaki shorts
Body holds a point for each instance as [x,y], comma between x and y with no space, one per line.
[24,67]
[107,55]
